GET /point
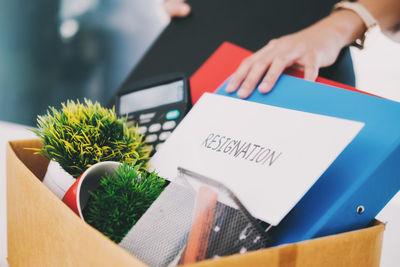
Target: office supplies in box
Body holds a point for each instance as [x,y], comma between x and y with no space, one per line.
[268,156]
[42,231]
[186,224]
[218,229]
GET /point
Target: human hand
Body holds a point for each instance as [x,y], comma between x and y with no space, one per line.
[310,49]
[176,8]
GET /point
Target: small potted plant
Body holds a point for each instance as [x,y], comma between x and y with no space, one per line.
[121,199]
[82,134]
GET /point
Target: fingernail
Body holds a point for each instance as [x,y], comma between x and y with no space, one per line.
[229,88]
[263,87]
[184,9]
[242,93]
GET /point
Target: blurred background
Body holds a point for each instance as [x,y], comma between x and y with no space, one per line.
[51,51]
[54,50]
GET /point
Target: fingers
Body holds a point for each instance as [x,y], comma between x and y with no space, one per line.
[276,69]
[248,76]
[273,59]
[176,8]
[252,79]
[311,72]
[239,76]
[253,69]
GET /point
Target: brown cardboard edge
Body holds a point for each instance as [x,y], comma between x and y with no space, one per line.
[42,230]
[354,248]
[24,149]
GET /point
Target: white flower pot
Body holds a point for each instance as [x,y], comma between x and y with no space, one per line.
[57,179]
[78,194]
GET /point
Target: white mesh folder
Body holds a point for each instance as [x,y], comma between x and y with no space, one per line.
[161,233]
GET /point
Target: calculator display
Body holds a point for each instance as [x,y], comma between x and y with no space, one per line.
[156,108]
[152,97]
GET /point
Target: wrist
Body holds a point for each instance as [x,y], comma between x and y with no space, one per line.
[347,26]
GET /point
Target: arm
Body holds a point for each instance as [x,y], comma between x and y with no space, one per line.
[309,49]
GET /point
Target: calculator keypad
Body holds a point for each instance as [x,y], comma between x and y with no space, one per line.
[168,125]
[172,114]
[151,138]
[142,129]
[156,126]
[147,116]
[158,146]
[164,135]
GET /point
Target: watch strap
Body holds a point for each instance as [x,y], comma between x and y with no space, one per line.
[365,16]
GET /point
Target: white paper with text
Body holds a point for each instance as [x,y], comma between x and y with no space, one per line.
[268,156]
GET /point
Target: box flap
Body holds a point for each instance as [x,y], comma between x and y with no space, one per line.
[37,164]
[42,230]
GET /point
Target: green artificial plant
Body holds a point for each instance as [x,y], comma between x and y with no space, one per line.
[121,199]
[82,134]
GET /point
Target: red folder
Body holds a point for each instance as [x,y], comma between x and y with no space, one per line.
[224,61]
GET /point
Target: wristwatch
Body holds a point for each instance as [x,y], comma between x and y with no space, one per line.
[365,16]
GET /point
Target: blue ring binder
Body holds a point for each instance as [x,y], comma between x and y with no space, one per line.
[366,173]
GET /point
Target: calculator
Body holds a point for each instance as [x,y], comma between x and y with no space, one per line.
[156,106]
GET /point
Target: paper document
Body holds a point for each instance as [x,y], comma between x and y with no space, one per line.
[268,156]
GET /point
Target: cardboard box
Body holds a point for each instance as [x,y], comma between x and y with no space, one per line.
[42,231]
